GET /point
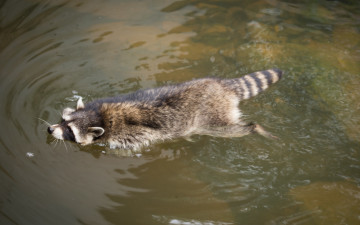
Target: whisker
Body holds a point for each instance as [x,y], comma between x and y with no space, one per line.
[71,147]
[54,141]
[46,122]
[65,146]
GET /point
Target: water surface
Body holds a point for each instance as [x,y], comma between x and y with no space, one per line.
[53,52]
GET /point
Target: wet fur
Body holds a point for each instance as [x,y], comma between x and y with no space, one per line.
[205,106]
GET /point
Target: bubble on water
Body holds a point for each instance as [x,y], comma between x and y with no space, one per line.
[254,24]
[30,154]
[73,98]
[175,221]
[272,11]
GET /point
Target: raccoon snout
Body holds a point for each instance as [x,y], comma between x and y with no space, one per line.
[56,131]
[50,130]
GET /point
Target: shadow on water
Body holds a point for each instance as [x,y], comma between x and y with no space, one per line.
[53,53]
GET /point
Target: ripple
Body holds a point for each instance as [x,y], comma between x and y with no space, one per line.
[55,52]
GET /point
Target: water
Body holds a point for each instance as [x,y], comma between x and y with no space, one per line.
[53,52]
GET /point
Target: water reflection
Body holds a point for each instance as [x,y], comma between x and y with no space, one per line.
[165,190]
[54,52]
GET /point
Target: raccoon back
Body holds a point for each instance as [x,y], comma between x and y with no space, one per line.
[252,84]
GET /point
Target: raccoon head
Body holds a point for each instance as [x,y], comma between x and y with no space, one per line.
[80,125]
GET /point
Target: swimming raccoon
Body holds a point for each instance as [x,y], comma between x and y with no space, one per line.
[207,106]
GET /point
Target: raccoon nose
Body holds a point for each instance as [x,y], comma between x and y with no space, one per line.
[50,130]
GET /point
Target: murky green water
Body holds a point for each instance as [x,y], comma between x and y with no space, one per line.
[52,52]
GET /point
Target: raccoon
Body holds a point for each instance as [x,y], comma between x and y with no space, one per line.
[207,106]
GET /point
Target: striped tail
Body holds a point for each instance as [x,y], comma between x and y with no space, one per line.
[252,84]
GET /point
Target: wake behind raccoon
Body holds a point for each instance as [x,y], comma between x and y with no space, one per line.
[206,106]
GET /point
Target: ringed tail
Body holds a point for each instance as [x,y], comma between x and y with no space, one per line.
[252,84]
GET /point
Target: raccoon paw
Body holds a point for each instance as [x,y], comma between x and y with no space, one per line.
[260,130]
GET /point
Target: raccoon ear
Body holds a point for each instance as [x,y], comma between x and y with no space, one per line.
[80,104]
[96,131]
[66,113]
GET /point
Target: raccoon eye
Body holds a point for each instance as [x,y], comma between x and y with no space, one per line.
[69,134]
